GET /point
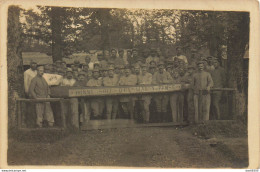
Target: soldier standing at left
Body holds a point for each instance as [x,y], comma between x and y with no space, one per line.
[40,89]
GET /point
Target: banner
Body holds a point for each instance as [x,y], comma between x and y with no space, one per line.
[124,90]
[52,79]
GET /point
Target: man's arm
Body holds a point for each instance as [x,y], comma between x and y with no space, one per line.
[31,89]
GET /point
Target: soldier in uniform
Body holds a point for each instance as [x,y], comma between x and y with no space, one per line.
[111,102]
[70,81]
[89,63]
[114,59]
[187,79]
[129,57]
[29,74]
[153,57]
[96,104]
[162,77]
[102,62]
[127,101]
[179,55]
[82,82]
[201,85]
[40,89]
[145,79]
[219,78]
[177,100]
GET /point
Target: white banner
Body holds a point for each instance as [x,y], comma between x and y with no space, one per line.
[52,79]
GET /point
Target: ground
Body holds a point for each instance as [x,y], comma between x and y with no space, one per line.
[212,145]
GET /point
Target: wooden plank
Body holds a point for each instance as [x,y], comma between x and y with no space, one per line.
[120,123]
[39,100]
[19,114]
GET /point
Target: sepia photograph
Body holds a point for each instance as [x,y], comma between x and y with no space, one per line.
[127,87]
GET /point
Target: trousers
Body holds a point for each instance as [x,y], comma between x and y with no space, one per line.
[44,112]
[177,103]
[161,103]
[215,98]
[202,107]
[111,108]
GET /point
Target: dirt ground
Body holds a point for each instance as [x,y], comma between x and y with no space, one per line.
[213,145]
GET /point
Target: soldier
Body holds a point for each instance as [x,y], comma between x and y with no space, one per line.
[96,104]
[73,102]
[111,102]
[162,77]
[58,63]
[219,78]
[177,100]
[187,79]
[29,74]
[121,56]
[85,68]
[129,57]
[179,55]
[201,84]
[193,58]
[40,89]
[88,62]
[114,59]
[102,62]
[145,79]
[63,65]
[153,57]
[82,82]
[127,101]
[210,66]
[135,57]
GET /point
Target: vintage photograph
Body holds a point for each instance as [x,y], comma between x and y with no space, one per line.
[124,87]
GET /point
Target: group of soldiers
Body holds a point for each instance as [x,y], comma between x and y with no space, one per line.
[136,69]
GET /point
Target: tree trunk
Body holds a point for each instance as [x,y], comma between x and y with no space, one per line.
[238,38]
[104,18]
[14,63]
[56,24]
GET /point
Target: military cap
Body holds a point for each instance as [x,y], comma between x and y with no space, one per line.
[121,66]
[76,62]
[40,67]
[152,61]
[32,62]
[113,49]
[168,66]
[120,50]
[136,66]
[160,64]
[95,70]
[111,68]
[69,70]
[127,67]
[143,66]
[135,49]
[152,66]
[84,64]
[58,61]
[129,51]
[81,73]
[210,57]
[169,61]
[200,62]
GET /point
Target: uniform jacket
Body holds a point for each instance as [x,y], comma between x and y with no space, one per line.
[164,78]
[107,81]
[201,80]
[95,82]
[145,79]
[128,80]
[39,88]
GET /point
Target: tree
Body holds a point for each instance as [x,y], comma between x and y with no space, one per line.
[14,62]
